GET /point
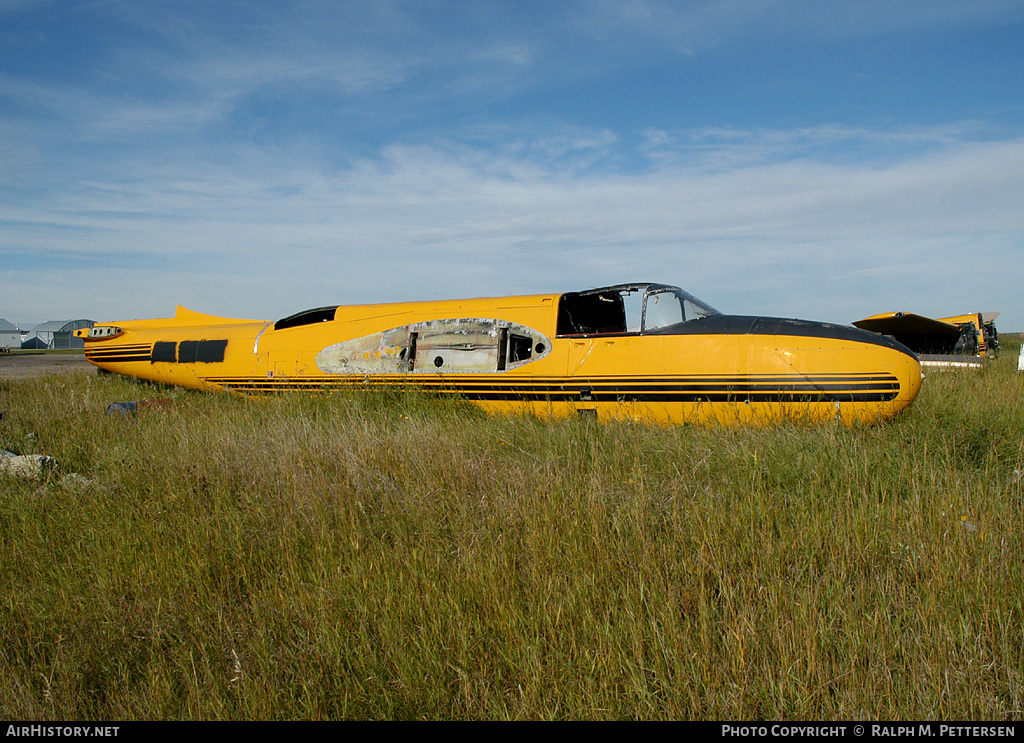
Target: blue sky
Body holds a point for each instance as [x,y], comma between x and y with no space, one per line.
[824,160]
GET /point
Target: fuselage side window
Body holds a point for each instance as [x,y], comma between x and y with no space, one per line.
[306,317]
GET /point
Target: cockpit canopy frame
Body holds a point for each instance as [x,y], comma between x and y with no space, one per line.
[628,309]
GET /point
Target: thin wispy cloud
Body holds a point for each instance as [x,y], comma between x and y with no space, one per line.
[701,24]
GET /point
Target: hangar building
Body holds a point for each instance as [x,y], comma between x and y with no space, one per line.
[57,334]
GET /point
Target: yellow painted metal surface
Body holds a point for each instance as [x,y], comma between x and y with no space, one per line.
[507,355]
[983,325]
[959,341]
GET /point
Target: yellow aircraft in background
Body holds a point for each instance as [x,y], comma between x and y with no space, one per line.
[635,351]
[959,341]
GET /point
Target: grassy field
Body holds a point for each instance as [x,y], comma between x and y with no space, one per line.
[372,556]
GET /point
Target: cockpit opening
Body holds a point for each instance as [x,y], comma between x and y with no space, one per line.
[628,308]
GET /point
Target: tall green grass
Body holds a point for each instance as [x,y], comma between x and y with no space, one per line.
[395,556]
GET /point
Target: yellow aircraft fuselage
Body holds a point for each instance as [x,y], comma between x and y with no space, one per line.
[640,351]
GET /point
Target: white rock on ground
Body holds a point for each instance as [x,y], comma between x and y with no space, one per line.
[27,466]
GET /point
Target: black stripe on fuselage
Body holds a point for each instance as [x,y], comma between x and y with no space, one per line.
[878,388]
[107,354]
